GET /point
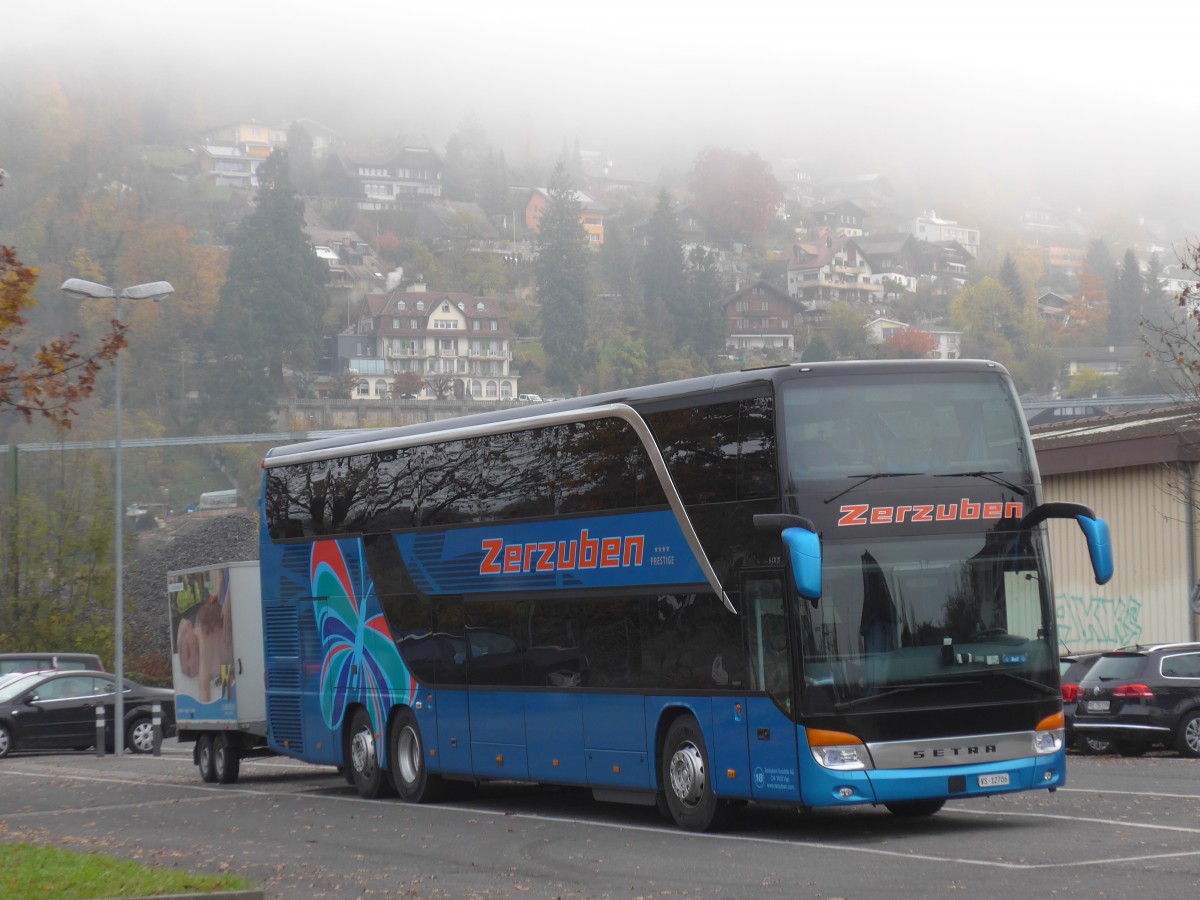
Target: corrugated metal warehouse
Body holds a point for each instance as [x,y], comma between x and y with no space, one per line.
[1138,471]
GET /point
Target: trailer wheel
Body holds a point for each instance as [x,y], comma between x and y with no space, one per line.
[227,759]
[413,781]
[363,754]
[204,758]
[687,779]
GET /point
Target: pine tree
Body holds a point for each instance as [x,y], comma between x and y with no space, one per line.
[273,300]
[1126,305]
[663,278]
[1010,277]
[563,283]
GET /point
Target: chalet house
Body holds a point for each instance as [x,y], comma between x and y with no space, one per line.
[591,215]
[1053,307]
[892,258]
[761,318]
[930,228]
[227,166]
[354,270]
[395,177]
[830,270]
[844,217]
[455,340]
[252,138]
[945,264]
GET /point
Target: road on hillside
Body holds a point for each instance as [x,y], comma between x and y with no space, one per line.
[1121,828]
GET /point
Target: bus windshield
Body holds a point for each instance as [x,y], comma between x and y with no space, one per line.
[840,427]
[931,612]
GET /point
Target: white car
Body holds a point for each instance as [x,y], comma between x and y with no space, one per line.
[529,398]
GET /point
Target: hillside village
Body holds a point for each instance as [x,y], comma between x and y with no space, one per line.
[835,244]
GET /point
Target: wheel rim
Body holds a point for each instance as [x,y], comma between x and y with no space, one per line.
[687,774]
[408,755]
[1191,734]
[362,752]
[3,742]
[141,736]
[206,755]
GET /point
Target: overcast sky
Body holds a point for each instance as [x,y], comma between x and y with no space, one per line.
[1023,89]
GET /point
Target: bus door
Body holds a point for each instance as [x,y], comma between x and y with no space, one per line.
[450,703]
[771,703]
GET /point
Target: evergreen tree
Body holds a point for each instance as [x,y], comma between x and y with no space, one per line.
[663,278]
[1010,277]
[1125,309]
[273,300]
[706,323]
[563,283]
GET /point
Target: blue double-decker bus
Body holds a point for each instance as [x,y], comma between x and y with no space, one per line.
[818,585]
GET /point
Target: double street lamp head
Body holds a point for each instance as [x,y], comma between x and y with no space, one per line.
[90,290]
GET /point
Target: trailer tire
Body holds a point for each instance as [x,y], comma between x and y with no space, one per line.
[411,775]
[204,758]
[227,759]
[362,753]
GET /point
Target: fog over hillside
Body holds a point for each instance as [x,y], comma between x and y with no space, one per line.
[1089,104]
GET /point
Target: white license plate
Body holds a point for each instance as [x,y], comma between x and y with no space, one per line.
[993,780]
[1097,706]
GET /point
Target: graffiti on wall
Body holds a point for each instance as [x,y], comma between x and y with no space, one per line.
[1093,623]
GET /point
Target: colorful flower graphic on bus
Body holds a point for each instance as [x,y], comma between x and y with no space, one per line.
[360,662]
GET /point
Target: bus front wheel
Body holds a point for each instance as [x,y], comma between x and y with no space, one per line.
[413,781]
[687,779]
[363,754]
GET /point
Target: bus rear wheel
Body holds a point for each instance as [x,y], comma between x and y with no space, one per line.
[363,755]
[687,779]
[413,781]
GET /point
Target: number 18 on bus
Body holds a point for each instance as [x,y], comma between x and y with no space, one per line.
[819,585]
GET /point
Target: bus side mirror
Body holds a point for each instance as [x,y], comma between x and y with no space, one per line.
[804,550]
[1095,531]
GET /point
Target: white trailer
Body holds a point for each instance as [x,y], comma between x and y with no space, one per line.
[217,665]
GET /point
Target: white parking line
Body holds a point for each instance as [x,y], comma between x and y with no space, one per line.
[215,791]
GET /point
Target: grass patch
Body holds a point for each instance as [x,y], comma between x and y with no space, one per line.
[48,873]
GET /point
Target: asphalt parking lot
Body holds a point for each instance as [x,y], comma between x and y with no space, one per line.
[1121,827]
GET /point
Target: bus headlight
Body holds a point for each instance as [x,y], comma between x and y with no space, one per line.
[838,750]
[1048,736]
[1047,742]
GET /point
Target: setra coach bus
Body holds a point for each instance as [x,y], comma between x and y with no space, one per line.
[818,585]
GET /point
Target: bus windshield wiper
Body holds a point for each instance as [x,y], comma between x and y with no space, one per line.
[891,692]
[863,479]
[990,476]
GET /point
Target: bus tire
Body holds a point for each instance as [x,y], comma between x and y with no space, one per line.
[363,755]
[687,778]
[204,758]
[227,759]
[410,774]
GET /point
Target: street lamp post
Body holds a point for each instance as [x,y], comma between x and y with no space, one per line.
[90,290]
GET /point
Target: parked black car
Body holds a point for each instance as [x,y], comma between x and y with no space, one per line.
[1072,668]
[57,710]
[1143,696]
[49,659]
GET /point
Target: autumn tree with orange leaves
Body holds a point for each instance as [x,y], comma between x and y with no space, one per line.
[52,380]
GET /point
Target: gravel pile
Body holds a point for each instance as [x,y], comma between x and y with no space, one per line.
[184,543]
